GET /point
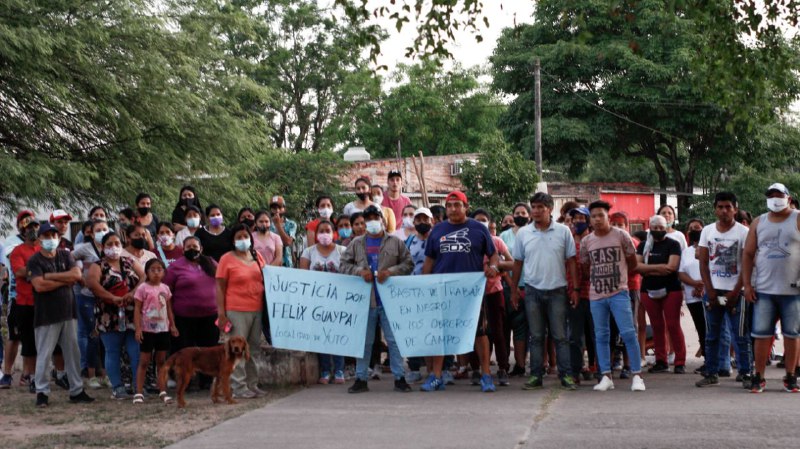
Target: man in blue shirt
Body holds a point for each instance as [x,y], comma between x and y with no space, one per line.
[461,245]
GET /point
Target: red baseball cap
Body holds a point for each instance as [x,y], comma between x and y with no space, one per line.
[23,214]
[58,214]
[456,195]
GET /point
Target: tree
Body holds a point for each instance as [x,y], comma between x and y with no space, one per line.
[432,110]
[628,82]
[498,180]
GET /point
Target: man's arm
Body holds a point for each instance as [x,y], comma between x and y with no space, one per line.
[748,262]
[427,266]
[705,274]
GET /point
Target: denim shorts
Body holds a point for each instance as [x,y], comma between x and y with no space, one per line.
[769,308]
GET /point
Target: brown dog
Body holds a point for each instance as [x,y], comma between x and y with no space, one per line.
[216,361]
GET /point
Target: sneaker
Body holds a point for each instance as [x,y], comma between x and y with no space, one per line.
[324,378]
[24,380]
[105,382]
[414,377]
[6,381]
[605,384]
[637,384]
[81,398]
[568,383]
[487,384]
[790,383]
[617,365]
[447,377]
[32,386]
[747,380]
[359,386]
[707,381]
[245,394]
[659,367]
[679,370]
[376,372]
[171,384]
[120,393]
[338,377]
[724,373]
[433,383]
[502,378]
[462,373]
[41,400]
[517,371]
[625,373]
[643,364]
[259,392]
[476,378]
[758,384]
[63,382]
[533,383]
[587,374]
[701,370]
[94,383]
[400,385]
[671,358]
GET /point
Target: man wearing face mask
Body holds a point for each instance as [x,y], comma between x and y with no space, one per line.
[376,256]
[580,317]
[773,251]
[52,273]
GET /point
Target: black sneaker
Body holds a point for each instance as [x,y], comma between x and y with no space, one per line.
[517,371]
[679,370]
[724,373]
[757,385]
[63,382]
[32,385]
[707,381]
[701,370]
[625,373]
[81,398]
[790,383]
[401,385]
[659,367]
[746,381]
[476,378]
[41,400]
[360,386]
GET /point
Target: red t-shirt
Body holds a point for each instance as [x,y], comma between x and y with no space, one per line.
[312,227]
[397,207]
[19,259]
[634,278]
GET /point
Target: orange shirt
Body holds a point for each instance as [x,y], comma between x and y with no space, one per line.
[19,259]
[245,286]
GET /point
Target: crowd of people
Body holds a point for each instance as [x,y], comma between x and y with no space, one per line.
[571,289]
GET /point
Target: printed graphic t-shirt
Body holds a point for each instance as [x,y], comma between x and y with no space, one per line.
[606,256]
[724,254]
[154,307]
[459,248]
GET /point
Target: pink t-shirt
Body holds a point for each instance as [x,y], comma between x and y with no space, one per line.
[608,267]
[154,306]
[495,284]
[266,246]
[396,206]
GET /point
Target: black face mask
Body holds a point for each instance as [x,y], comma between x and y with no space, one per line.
[658,235]
[520,221]
[694,236]
[422,228]
[262,229]
[248,222]
[188,202]
[505,228]
[362,196]
[143,211]
[30,234]
[138,243]
[191,254]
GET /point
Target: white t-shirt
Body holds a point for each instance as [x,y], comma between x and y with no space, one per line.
[724,254]
[678,237]
[691,267]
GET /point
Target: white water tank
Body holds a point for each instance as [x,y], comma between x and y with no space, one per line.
[355,154]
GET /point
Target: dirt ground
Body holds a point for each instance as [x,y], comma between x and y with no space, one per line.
[111,423]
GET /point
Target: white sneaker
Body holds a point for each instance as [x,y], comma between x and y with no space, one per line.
[637,384]
[376,372]
[644,363]
[671,358]
[605,384]
[94,383]
[245,394]
[171,383]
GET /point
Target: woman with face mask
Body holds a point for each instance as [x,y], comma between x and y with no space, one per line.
[186,199]
[662,295]
[668,212]
[324,205]
[146,217]
[407,228]
[389,219]
[113,280]
[325,255]
[345,230]
[247,217]
[166,248]
[95,213]
[192,281]
[516,321]
[215,237]
[136,244]
[193,220]
[364,198]
[240,302]
[268,244]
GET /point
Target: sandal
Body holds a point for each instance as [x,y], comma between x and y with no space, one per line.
[163,396]
[138,399]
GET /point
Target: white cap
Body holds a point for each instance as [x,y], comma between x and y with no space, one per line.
[423,211]
[779,187]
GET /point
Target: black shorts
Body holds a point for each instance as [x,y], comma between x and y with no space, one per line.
[20,328]
[154,342]
[483,323]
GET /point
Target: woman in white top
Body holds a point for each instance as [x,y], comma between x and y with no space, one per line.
[668,212]
[364,198]
[689,274]
[193,218]
[406,229]
[137,242]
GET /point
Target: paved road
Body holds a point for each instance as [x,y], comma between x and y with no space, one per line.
[671,413]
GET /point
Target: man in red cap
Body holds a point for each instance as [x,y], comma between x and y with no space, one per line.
[60,220]
[459,245]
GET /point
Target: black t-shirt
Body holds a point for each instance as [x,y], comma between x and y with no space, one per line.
[57,305]
[215,246]
[660,255]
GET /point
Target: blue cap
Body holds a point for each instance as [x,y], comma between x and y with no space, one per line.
[579,210]
[45,228]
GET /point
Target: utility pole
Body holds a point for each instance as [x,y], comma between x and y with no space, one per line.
[538,115]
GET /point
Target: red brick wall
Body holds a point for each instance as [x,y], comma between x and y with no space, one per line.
[437,172]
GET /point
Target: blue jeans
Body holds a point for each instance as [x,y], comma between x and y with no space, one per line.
[86,343]
[619,306]
[395,359]
[113,342]
[769,308]
[325,365]
[548,309]
[739,328]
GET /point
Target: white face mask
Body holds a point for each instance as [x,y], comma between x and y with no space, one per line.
[377,199]
[408,222]
[485,223]
[777,204]
[193,222]
[374,227]
[325,212]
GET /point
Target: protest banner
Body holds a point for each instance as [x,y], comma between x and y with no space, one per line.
[317,311]
[435,314]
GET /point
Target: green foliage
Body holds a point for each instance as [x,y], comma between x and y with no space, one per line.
[431,110]
[500,179]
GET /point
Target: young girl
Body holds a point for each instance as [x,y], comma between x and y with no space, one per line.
[154,323]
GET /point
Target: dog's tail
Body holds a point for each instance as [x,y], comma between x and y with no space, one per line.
[163,370]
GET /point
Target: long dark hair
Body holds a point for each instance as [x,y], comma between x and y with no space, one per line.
[205,262]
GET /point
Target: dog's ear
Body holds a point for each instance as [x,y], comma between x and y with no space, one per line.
[246,351]
[229,350]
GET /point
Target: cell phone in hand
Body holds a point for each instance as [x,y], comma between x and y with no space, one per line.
[228,326]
